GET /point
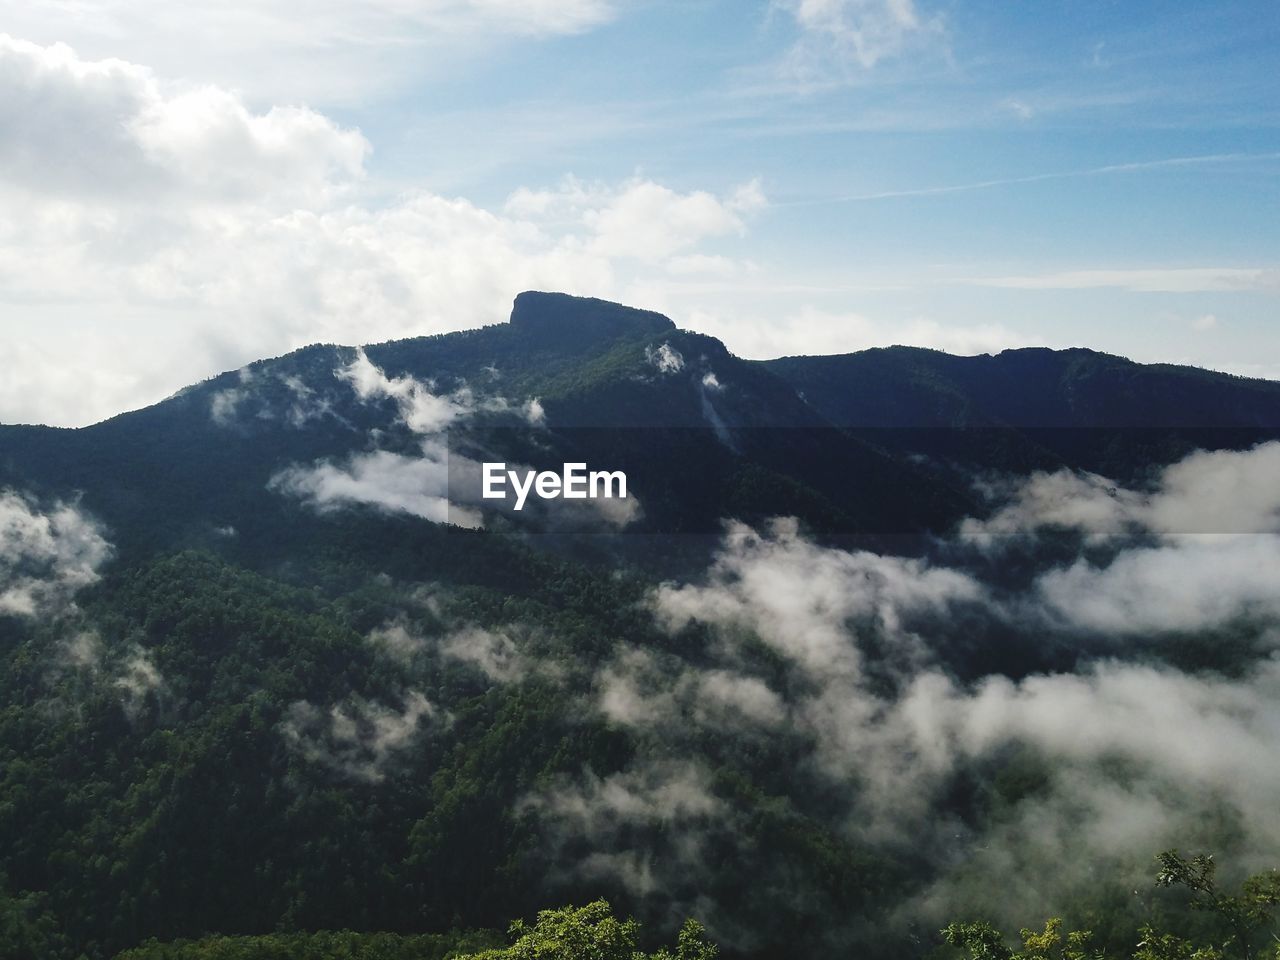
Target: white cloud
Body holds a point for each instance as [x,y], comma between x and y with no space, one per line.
[813,605]
[1206,735]
[179,232]
[397,639]
[108,130]
[1133,757]
[1084,501]
[340,52]
[803,597]
[671,801]
[701,264]
[131,675]
[641,219]
[496,653]
[254,399]
[1207,492]
[1221,491]
[82,651]
[437,485]
[223,405]
[1136,757]
[660,793]
[1188,583]
[649,221]
[1146,280]
[1209,557]
[45,556]
[859,33]
[665,359]
[421,409]
[818,332]
[358,739]
[534,413]
[493,652]
[388,481]
[137,678]
[638,690]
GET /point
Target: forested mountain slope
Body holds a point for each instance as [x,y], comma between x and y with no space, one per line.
[1035,407]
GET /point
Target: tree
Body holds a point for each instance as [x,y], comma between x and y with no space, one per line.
[1244,919]
[593,933]
[1244,915]
[985,942]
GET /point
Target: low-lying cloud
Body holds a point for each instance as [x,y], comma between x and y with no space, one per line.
[437,481]
[128,671]
[502,654]
[419,407]
[869,680]
[358,739]
[671,803]
[1209,492]
[418,486]
[46,555]
[1196,550]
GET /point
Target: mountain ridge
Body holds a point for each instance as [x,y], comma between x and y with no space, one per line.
[884,440]
[565,321]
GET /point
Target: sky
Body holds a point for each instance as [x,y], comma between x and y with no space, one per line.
[185,188]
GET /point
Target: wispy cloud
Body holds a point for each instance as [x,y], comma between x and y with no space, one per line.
[1113,168]
[843,34]
[358,739]
[337,53]
[812,331]
[1148,280]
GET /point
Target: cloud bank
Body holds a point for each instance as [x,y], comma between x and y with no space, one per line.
[337,54]
[872,678]
[167,210]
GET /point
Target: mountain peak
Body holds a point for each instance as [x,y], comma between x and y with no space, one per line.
[552,317]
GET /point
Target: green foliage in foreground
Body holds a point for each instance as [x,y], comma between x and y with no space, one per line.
[1242,923]
[593,933]
[343,945]
[571,933]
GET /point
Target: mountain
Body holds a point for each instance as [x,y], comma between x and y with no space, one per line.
[1035,407]
[872,443]
[618,387]
[270,668]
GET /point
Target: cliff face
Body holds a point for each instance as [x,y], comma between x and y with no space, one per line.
[554,317]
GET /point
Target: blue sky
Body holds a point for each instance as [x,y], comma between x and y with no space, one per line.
[794,176]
